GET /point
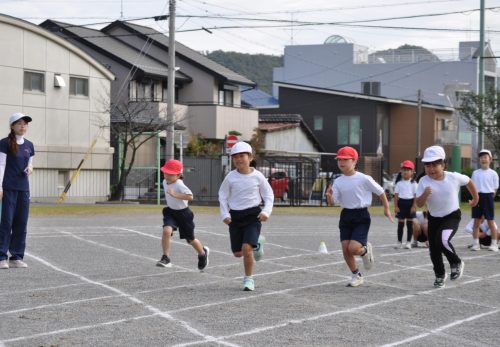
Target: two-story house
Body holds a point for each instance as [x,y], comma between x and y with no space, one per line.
[62,88]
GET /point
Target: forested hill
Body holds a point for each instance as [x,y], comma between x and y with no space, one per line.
[257,67]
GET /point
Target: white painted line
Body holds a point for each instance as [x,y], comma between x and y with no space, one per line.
[441,328]
[133,299]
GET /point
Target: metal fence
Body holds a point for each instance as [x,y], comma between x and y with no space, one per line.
[295,180]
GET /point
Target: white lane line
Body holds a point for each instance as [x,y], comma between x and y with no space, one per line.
[441,328]
[60,304]
[133,299]
[159,238]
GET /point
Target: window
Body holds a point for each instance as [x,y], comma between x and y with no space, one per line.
[78,86]
[34,81]
[318,122]
[348,130]
[226,97]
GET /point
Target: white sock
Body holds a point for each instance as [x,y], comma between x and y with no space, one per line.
[494,242]
[475,241]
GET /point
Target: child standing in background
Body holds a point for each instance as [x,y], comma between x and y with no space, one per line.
[486,181]
[404,202]
[353,191]
[177,214]
[240,196]
[439,189]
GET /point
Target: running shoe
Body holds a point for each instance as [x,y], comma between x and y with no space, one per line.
[457,271]
[248,284]
[368,258]
[17,263]
[164,261]
[258,252]
[203,259]
[356,280]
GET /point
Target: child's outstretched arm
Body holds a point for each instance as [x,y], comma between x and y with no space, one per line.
[387,209]
[471,187]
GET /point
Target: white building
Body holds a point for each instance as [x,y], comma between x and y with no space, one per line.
[66,92]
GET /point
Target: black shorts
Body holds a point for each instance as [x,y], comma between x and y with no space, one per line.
[244,228]
[354,224]
[180,219]
[421,236]
[405,209]
[485,207]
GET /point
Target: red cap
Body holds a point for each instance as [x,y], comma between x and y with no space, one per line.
[408,164]
[347,153]
[173,167]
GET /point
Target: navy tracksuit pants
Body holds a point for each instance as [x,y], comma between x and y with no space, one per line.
[13,228]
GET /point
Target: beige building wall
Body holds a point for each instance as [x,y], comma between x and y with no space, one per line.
[63,126]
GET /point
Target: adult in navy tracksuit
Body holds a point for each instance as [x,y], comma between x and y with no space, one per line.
[16,157]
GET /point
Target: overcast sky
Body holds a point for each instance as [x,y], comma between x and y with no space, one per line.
[460,26]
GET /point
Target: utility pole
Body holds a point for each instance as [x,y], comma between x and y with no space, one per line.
[419,129]
[169,150]
[480,89]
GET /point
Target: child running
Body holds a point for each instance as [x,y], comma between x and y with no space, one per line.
[404,202]
[439,189]
[486,181]
[353,191]
[177,214]
[240,195]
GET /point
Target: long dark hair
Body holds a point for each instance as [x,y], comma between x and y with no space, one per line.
[13,146]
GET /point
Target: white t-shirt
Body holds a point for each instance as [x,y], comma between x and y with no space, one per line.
[486,180]
[242,191]
[483,227]
[178,187]
[406,189]
[355,191]
[444,197]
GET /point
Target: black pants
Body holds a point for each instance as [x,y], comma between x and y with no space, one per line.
[441,231]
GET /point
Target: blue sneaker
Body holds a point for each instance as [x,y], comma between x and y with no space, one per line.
[248,284]
[258,252]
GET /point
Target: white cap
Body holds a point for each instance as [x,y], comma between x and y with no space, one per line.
[485,151]
[433,153]
[17,116]
[241,147]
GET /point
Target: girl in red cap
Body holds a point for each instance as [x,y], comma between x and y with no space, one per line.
[177,214]
[405,206]
[353,190]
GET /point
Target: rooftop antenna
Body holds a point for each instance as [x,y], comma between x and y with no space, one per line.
[121,9]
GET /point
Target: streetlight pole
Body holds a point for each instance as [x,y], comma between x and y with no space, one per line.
[169,150]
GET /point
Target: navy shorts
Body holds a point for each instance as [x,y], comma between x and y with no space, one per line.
[354,224]
[485,207]
[405,209]
[180,219]
[244,228]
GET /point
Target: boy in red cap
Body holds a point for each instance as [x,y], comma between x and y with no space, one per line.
[404,202]
[177,214]
[353,190]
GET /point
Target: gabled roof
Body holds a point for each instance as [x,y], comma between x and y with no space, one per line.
[283,121]
[187,53]
[108,45]
[58,40]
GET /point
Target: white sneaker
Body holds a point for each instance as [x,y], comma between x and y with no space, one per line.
[408,245]
[18,263]
[368,258]
[258,252]
[356,280]
[493,248]
[4,264]
[248,284]
[475,247]
[399,245]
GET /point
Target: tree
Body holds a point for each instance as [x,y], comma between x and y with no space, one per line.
[487,121]
[132,125]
